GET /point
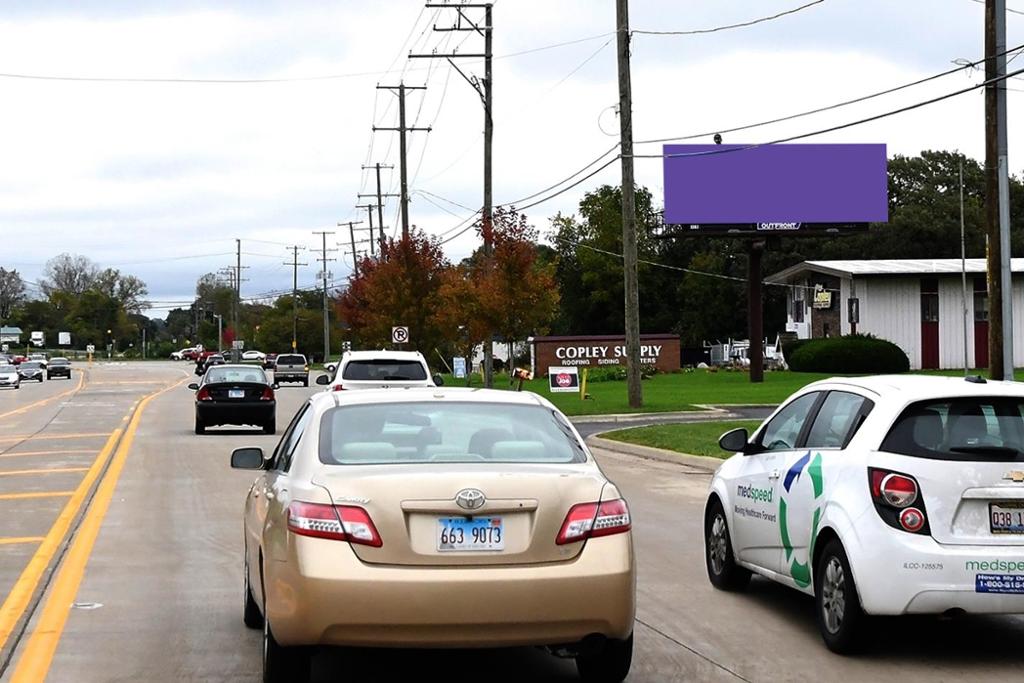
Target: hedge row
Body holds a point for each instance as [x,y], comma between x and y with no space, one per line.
[852,354]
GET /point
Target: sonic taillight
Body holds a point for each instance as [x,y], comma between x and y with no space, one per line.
[589,520]
[338,387]
[334,522]
[893,494]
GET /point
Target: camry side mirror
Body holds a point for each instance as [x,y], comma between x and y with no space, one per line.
[247,459]
[734,441]
[323,379]
[193,386]
[438,380]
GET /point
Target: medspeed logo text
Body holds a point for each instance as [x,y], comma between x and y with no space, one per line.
[754,493]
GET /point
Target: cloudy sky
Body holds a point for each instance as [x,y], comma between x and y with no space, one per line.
[160,178]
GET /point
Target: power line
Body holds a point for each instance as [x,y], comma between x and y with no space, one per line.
[727,27]
[1013,11]
[837,105]
[841,126]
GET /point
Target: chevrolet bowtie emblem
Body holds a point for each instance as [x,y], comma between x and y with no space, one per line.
[1015,475]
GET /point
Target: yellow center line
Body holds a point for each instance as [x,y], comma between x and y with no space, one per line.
[35,494]
[43,470]
[53,437]
[38,652]
[70,451]
[21,594]
[22,539]
[30,406]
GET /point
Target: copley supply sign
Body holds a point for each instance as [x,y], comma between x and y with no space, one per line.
[605,355]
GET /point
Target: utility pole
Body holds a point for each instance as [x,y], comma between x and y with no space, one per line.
[352,236]
[295,293]
[369,214]
[380,205]
[997,195]
[238,297]
[629,245]
[402,150]
[963,267]
[486,92]
[323,273]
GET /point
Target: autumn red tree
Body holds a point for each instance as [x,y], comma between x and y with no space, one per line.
[399,287]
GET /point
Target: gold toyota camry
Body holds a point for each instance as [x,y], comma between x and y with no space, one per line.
[436,518]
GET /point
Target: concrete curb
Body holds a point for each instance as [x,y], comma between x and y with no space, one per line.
[711,413]
[701,462]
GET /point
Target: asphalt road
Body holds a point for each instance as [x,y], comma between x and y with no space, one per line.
[151,589]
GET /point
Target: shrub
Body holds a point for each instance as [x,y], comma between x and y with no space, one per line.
[853,354]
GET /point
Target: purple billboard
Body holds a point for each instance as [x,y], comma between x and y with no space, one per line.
[775,184]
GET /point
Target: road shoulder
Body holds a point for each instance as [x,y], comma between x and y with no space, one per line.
[647,452]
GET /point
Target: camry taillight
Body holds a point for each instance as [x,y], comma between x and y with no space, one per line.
[589,520]
[893,494]
[203,395]
[335,522]
[267,395]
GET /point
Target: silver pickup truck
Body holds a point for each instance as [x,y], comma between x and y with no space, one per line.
[291,367]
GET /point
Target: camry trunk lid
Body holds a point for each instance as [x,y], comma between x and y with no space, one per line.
[516,511]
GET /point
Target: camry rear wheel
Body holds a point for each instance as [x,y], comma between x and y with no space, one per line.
[839,614]
[723,572]
[283,664]
[610,665]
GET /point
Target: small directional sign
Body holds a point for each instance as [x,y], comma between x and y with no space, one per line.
[90,348]
[399,335]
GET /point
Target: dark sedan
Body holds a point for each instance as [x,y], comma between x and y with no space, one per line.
[31,370]
[58,367]
[235,395]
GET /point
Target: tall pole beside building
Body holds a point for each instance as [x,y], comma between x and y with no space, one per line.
[997,195]
[963,266]
[629,241]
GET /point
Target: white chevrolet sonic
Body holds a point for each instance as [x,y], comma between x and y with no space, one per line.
[878,495]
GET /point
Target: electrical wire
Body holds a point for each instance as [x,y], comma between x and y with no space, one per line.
[1008,9]
[443,199]
[744,24]
[841,126]
[830,107]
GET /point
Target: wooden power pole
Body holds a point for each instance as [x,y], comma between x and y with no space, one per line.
[294,263]
[629,242]
[403,164]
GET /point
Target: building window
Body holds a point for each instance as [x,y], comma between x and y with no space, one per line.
[980,300]
[930,300]
[798,309]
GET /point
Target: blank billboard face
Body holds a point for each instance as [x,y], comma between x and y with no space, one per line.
[707,184]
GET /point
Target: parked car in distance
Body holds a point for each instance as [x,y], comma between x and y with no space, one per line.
[447,518]
[235,395]
[291,367]
[380,370]
[878,496]
[18,359]
[184,354]
[9,377]
[254,355]
[58,367]
[31,370]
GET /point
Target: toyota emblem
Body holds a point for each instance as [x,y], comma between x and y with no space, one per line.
[470,499]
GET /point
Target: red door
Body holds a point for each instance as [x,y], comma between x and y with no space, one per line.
[981,343]
[929,324]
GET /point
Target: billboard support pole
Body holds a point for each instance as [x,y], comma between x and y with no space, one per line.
[755,313]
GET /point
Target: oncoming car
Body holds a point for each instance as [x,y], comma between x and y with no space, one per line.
[380,370]
[447,518]
[879,496]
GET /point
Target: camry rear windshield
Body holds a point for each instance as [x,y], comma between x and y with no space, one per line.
[967,429]
[384,370]
[405,433]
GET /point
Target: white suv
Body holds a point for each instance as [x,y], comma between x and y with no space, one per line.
[380,370]
[878,495]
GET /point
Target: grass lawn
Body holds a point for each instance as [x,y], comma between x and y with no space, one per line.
[666,392]
[700,438]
